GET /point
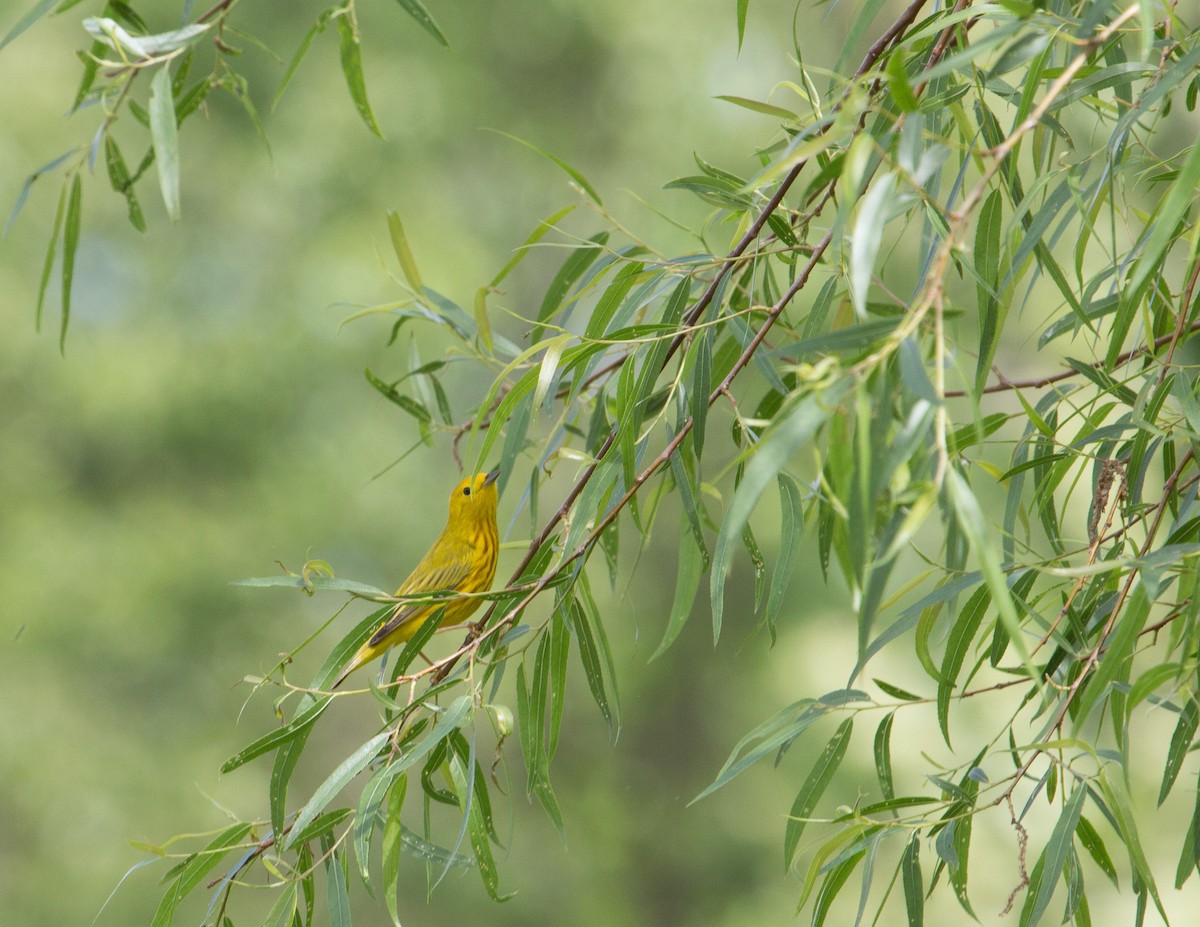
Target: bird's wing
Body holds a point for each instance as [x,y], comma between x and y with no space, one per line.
[443,577]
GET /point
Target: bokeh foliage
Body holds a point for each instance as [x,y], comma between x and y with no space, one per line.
[826,355]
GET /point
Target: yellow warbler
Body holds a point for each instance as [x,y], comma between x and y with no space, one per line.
[462,559]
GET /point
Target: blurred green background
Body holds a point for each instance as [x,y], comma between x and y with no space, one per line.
[211,417]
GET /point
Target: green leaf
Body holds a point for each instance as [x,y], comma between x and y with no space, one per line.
[757,106]
[970,519]
[873,213]
[300,723]
[393,830]
[1172,208]
[1054,858]
[70,244]
[403,252]
[325,583]
[352,70]
[961,635]
[195,868]
[417,11]
[791,527]
[579,260]
[322,824]
[769,459]
[612,299]
[164,137]
[898,82]
[814,787]
[285,907]
[988,247]
[914,887]
[1114,662]
[742,7]
[1117,797]
[317,27]
[687,581]
[39,9]
[337,897]
[570,171]
[883,755]
[478,831]
[335,782]
[51,251]
[835,878]
[1181,744]
[1189,854]
[781,728]
[1090,839]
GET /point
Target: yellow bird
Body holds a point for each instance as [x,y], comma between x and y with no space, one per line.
[462,559]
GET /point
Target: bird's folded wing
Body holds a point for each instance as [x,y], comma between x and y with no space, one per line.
[447,577]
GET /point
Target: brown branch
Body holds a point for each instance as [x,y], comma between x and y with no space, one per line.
[727,266]
[1093,658]
[1042,382]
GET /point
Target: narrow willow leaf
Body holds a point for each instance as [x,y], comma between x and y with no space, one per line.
[195,868]
[546,225]
[772,455]
[988,246]
[1117,797]
[791,527]
[961,635]
[1189,855]
[873,214]
[1054,857]
[303,720]
[336,781]
[51,251]
[883,756]
[970,519]
[590,658]
[164,137]
[835,878]
[560,649]
[701,386]
[570,171]
[1181,744]
[351,54]
[574,267]
[914,886]
[321,825]
[70,245]
[404,253]
[477,830]
[767,738]
[548,369]
[742,7]
[39,9]
[317,27]
[118,177]
[814,787]
[612,299]
[896,691]
[766,109]
[1114,663]
[337,897]
[687,581]
[285,908]
[1173,206]
[392,844]
[417,11]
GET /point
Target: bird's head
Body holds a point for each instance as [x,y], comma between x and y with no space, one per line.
[474,499]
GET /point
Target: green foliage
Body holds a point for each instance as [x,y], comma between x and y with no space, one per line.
[838,333]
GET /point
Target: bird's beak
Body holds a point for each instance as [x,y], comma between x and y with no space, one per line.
[491,477]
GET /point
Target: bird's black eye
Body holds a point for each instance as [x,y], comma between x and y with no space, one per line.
[466,490]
